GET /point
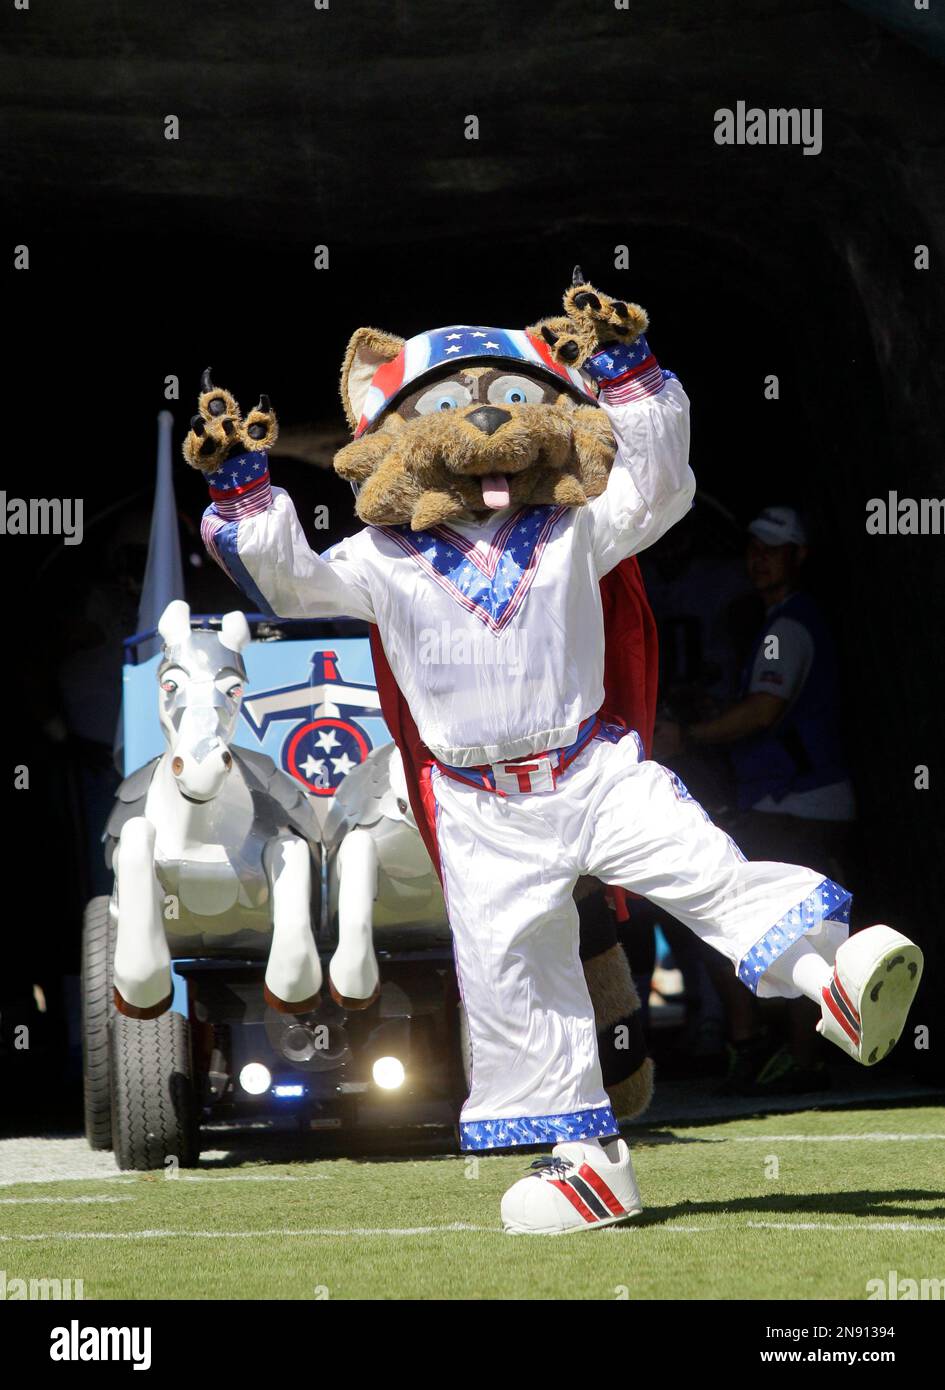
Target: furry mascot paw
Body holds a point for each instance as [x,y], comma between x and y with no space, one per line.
[219,430]
[591,322]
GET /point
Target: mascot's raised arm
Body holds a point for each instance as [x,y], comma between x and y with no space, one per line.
[506,478]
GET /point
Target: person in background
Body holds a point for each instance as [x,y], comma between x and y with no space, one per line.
[795,800]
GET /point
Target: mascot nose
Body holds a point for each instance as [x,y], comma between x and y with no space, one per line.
[488,418]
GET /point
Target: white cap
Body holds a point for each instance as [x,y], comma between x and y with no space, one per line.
[779,526]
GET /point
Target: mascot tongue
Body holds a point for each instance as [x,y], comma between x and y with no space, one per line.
[495,490]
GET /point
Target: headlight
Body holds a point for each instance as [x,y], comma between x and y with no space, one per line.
[255,1078]
[388,1073]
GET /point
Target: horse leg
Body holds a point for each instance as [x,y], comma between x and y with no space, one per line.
[353,976]
[294,972]
[142,960]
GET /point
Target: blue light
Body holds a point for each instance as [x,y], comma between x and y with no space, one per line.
[288,1092]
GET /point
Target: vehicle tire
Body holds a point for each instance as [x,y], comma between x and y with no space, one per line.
[98,955]
[154,1105]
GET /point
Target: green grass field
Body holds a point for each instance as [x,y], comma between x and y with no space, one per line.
[806,1205]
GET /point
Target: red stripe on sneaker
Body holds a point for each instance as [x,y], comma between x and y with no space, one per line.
[581,1207]
[841,1018]
[844,996]
[594,1179]
[849,1014]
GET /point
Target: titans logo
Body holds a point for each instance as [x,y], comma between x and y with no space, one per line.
[326,741]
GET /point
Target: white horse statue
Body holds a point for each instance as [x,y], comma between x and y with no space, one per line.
[379,873]
[211,844]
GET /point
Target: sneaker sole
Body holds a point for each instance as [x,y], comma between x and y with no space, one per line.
[571,1230]
[885,1000]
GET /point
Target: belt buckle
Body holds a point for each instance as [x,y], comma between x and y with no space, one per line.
[525,775]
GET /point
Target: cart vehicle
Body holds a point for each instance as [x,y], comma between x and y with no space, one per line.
[221,1055]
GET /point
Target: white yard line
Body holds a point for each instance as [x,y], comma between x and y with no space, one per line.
[930,1227]
[118,1180]
[58,1201]
[181,1177]
[279,1232]
[927,1228]
[831,1138]
[250,1177]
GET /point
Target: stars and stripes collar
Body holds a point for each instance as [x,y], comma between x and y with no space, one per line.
[490,584]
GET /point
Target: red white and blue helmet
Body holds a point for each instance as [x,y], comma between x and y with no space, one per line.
[427,353]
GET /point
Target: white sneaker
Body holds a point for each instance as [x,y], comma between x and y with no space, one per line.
[864,1008]
[577,1187]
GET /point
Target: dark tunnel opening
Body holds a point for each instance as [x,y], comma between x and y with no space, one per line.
[724,317]
[751,264]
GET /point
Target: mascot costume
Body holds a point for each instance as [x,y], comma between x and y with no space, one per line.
[506,479]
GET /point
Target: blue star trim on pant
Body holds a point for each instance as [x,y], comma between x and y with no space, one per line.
[598,1123]
[829,902]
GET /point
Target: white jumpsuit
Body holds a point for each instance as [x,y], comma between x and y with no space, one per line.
[494,633]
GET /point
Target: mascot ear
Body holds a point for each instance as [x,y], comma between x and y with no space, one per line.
[368,349]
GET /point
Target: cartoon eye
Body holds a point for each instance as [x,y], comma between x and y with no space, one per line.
[171,680]
[447,395]
[230,687]
[515,390]
[401,805]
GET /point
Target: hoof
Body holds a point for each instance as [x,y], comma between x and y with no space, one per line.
[346,1003]
[132,1010]
[283,1006]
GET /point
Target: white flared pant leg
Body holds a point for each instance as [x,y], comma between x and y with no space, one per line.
[646,833]
[509,866]
[509,882]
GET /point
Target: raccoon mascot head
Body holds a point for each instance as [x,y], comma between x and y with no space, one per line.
[464,420]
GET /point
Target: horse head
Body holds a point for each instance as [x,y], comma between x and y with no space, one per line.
[201,677]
